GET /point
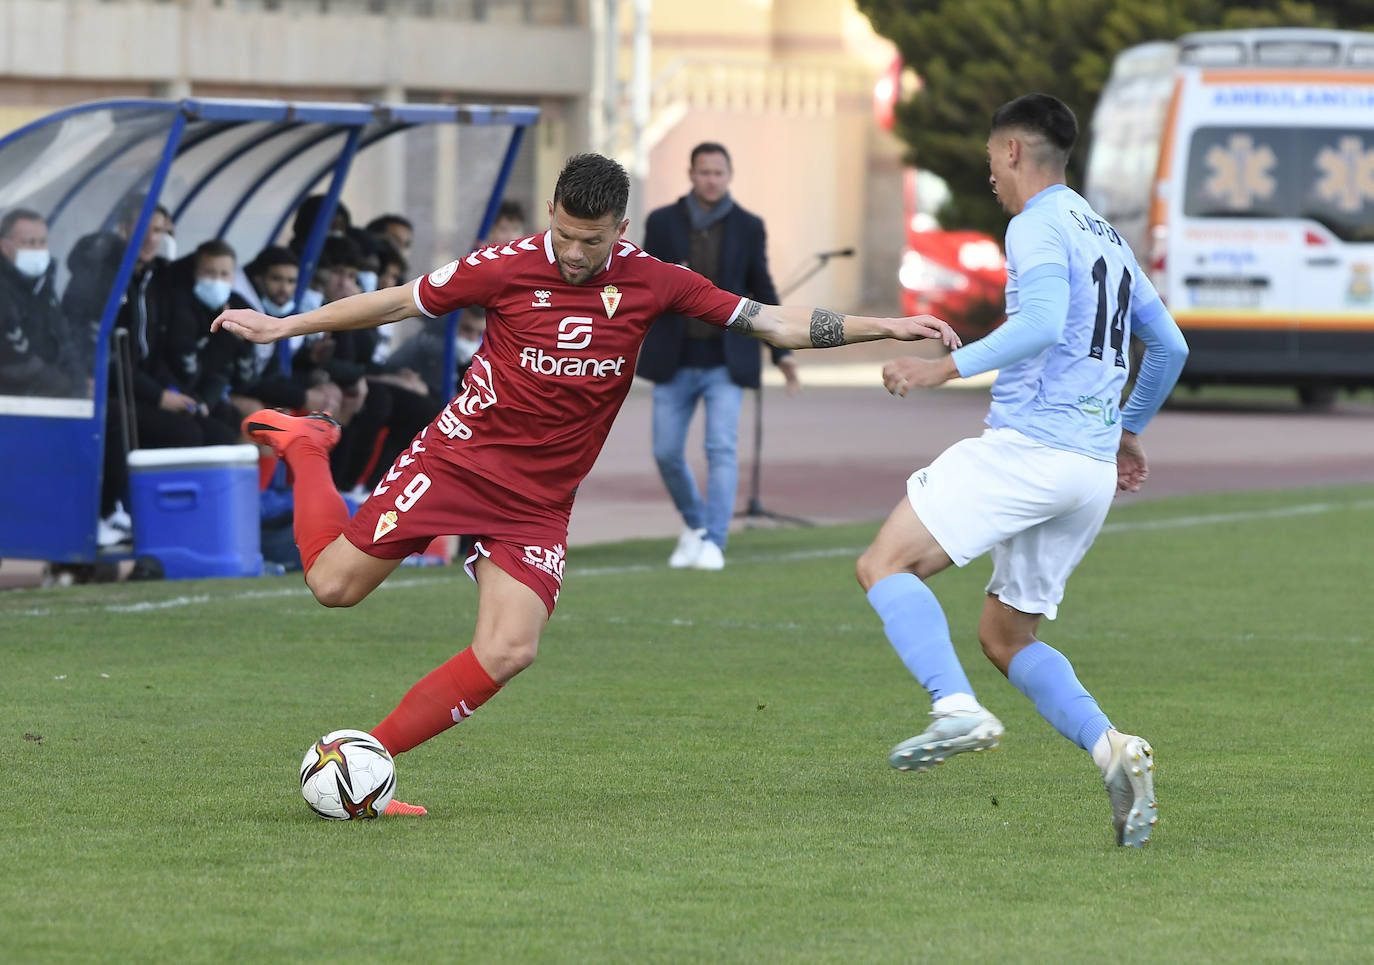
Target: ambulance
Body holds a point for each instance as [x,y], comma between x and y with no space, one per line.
[1239,165]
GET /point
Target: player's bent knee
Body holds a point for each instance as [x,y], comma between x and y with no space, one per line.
[332,590]
[999,646]
[506,659]
[868,569]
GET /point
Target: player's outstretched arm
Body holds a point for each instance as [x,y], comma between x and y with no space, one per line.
[793,327]
[368,310]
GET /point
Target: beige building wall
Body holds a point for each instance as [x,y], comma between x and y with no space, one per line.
[787,86]
[54,53]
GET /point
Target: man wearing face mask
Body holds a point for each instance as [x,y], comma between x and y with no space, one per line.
[203,367]
[391,406]
[273,275]
[424,351]
[37,356]
[160,410]
[94,263]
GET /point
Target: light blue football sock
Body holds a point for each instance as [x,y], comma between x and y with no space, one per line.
[1045,675]
[916,626]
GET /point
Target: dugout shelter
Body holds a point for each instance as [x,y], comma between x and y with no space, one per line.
[229,169]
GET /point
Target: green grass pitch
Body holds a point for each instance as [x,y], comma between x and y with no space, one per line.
[695,768]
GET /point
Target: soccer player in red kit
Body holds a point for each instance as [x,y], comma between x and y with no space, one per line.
[567,310]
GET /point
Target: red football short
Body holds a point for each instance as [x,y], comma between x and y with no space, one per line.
[423,496]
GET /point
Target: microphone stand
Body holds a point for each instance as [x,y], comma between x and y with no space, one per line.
[754,510]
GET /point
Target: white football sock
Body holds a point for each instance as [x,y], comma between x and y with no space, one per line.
[952,702]
[1102,752]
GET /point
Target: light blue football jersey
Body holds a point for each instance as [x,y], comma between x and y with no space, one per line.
[1069,395]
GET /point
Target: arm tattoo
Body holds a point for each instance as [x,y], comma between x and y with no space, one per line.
[748,315]
[827,328]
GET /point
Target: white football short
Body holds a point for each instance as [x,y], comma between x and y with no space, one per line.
[1036,509]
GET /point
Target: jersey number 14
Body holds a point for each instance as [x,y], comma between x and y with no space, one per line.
[1123,305]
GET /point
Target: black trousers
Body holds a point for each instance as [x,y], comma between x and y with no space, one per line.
[157,429]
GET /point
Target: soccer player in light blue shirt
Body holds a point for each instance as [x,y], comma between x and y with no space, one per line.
[1034,489]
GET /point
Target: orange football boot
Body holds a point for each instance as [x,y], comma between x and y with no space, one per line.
[279,431]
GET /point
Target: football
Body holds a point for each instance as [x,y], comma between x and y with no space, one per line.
[347,775]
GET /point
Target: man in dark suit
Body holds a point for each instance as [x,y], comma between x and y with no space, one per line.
[690,361]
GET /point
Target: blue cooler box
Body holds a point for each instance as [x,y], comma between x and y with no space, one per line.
[196,510]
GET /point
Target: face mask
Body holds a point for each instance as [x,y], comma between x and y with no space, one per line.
[367,281]
[32,262]
[466,347]
[278,311]
[311,300]
[212,292]
[167,247]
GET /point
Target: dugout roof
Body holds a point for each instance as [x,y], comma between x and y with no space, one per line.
[230,169]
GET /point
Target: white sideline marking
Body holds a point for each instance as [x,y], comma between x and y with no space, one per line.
[406,583]
[158,604]
[1212,519]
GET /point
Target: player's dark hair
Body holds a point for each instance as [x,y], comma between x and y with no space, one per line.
[511,210]
[710,147]
[16,215]
[1040,114]
[271,257]
[592,186]
[215,248]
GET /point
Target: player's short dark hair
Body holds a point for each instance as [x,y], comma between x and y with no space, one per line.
[214,248]
[16,215]
[270,257]
[511,210]
[1040,114]
[379,224]
[592,186]
[709,147]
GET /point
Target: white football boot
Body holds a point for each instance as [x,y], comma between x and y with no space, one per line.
[1131,785]
[950,732]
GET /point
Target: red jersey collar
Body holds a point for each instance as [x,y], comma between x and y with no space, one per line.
[548,251]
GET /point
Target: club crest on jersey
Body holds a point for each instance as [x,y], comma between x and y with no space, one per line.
[440,275]
[385,524]
[541,299]
[610,297]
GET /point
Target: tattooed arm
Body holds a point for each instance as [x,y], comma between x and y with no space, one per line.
[794,327]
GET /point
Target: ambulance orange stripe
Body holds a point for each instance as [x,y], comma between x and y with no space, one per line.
[1272,76]
[1159,206]
[1276,322]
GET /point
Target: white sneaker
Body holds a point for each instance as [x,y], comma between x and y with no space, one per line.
[688,548]
[120,519]
[108,534]
[949,733]
[1131,785]
[709,558]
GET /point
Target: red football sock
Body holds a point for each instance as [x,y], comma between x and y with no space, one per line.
[320,512]
[447,695]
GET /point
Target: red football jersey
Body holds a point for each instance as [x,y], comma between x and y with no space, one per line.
[557,359]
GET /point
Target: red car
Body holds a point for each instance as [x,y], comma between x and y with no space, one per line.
[957,275]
